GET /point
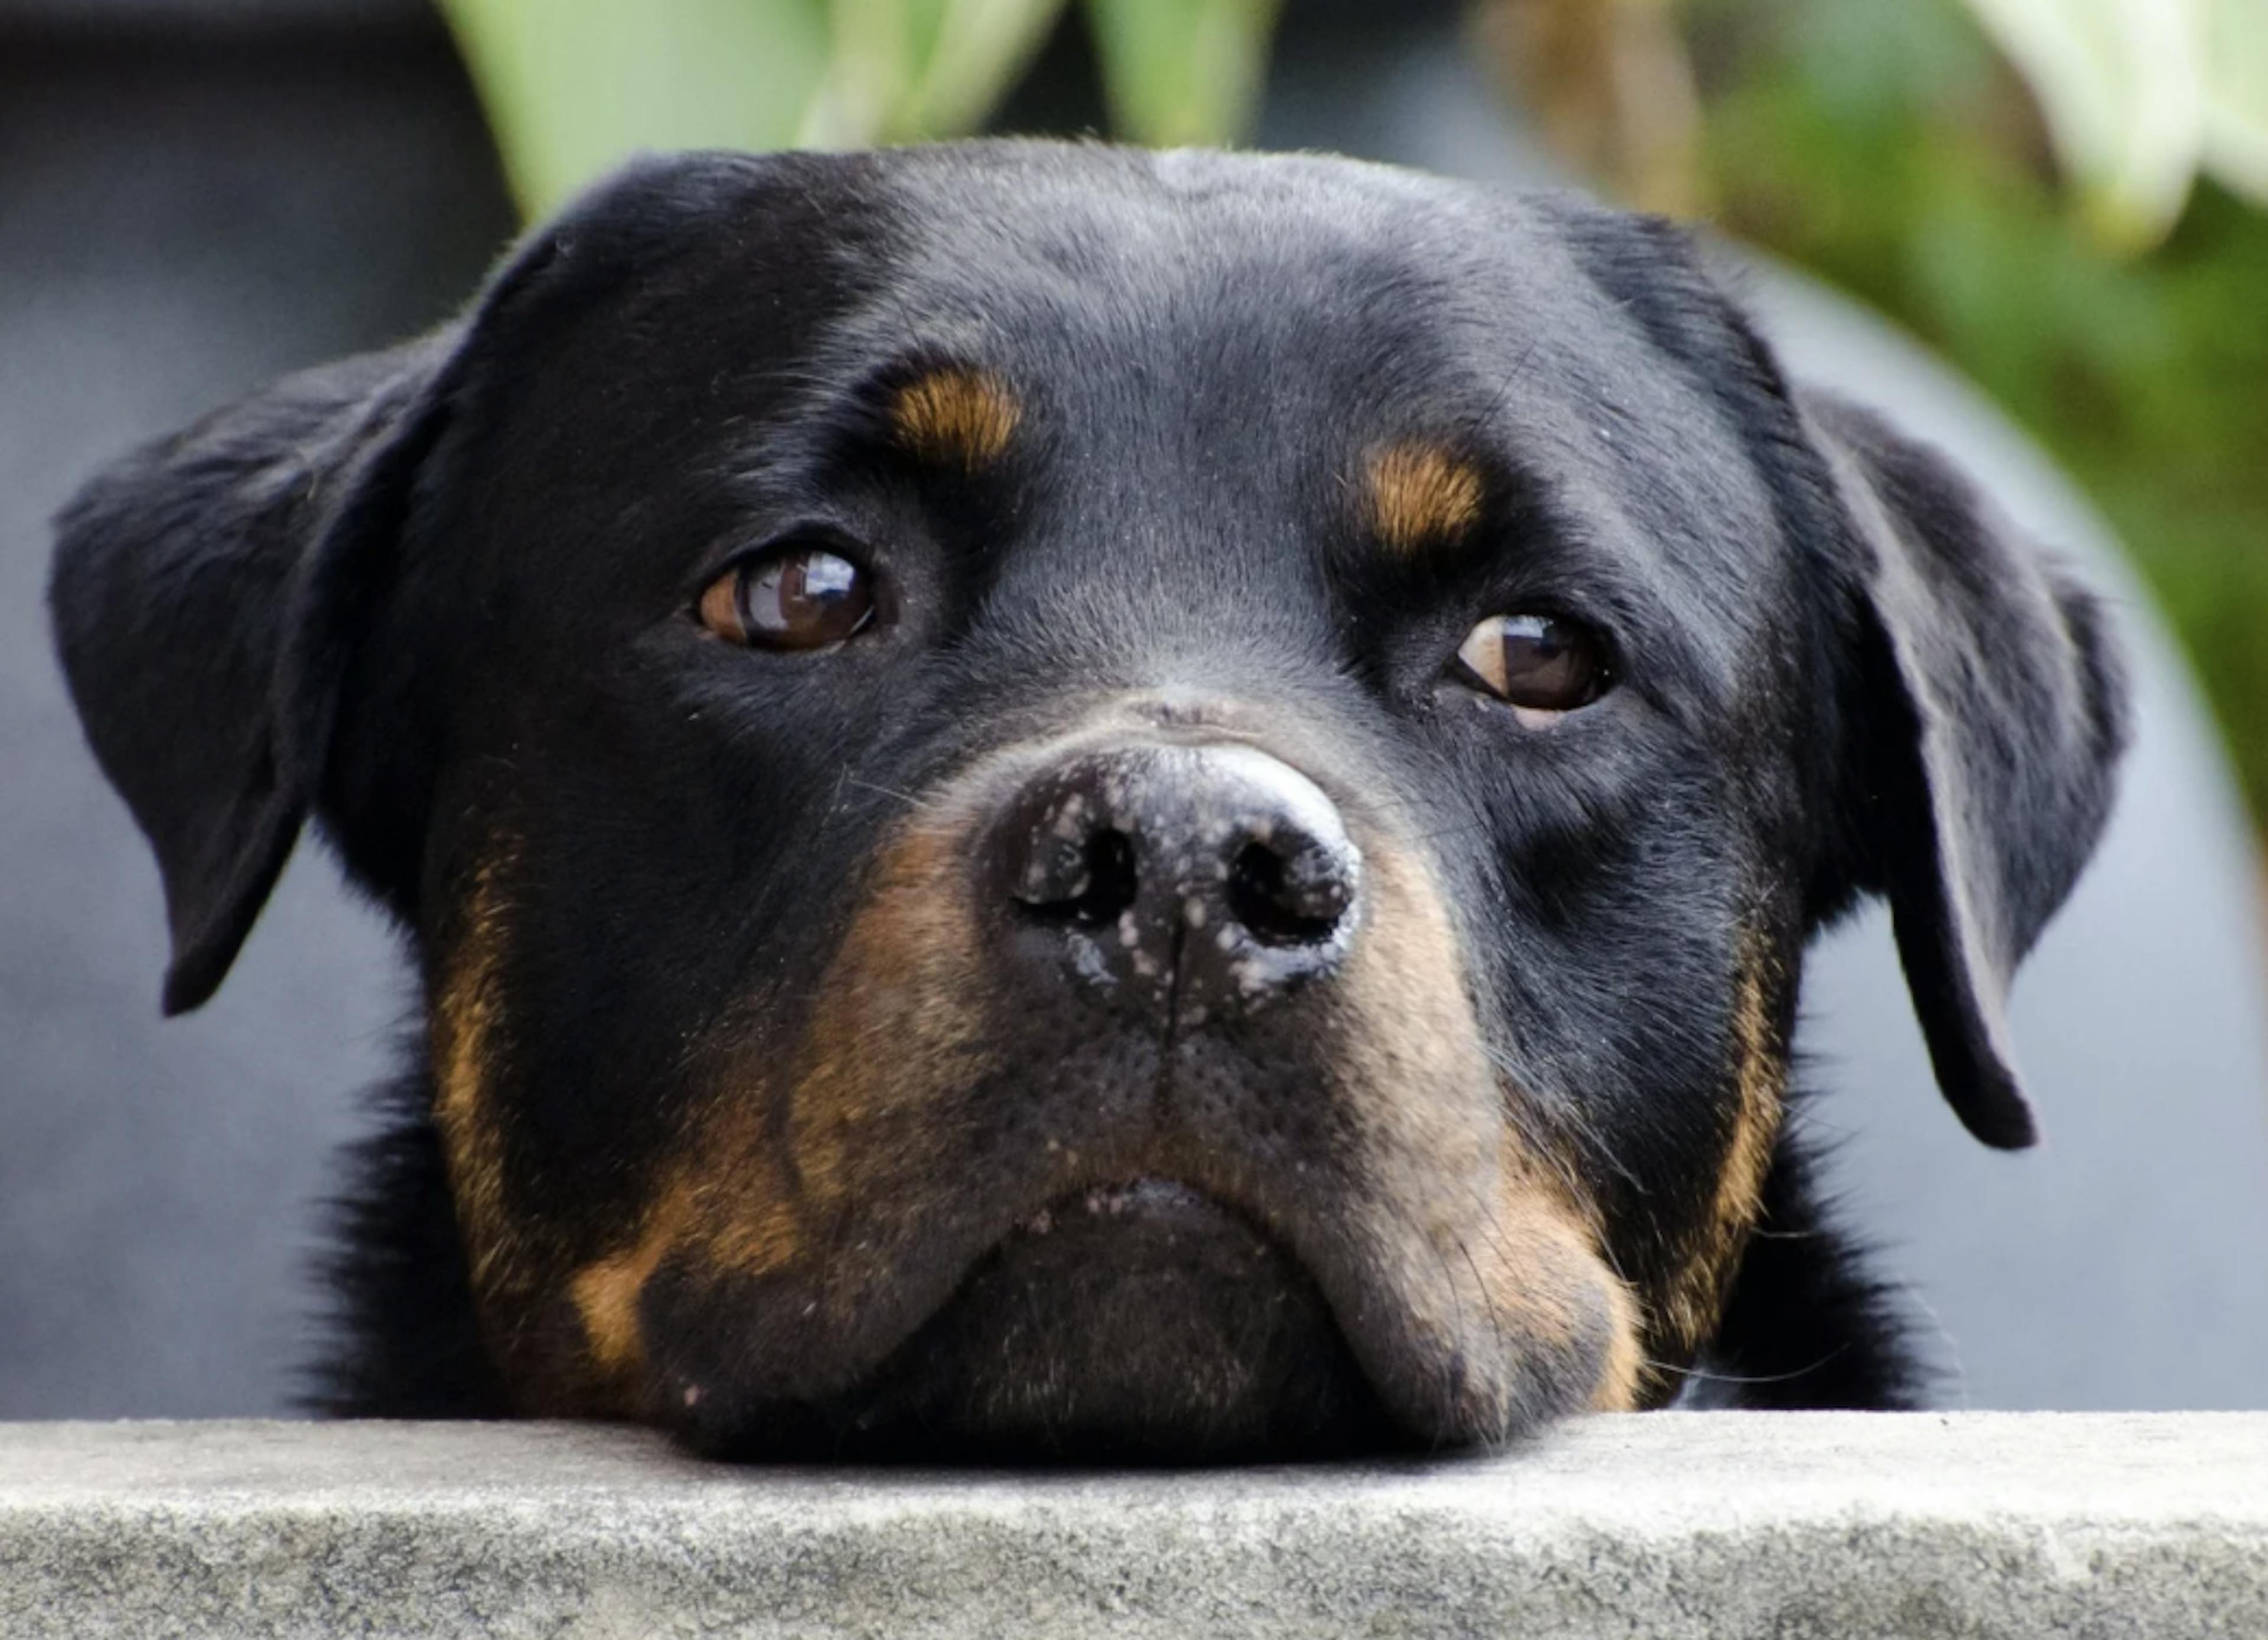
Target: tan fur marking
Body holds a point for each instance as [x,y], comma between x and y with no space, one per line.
[895,1037]
[1755,1123]
[1622,1386]
[1688,1312]
[1485,1229]
[896,1029]
[891,1042]
[606,1295]
[957,416]
[465,1060]
[728,1213]
[1422,495]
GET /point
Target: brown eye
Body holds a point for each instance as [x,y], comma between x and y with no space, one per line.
[1539,663]
[793,597]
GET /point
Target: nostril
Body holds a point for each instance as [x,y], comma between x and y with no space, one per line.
[1095,890]
[1112,880]
[1298,901]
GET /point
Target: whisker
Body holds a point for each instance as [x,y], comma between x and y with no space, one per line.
[1706,1376]
[906,797]
[1572,1112]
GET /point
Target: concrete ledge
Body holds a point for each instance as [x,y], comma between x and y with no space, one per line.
[1698,1525]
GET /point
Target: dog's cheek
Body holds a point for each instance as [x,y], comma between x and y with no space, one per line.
[468,1053]
[899,1033]
[1480,1224]
[1682,1309]
[718,1227]
[552,1342]
[796,1222]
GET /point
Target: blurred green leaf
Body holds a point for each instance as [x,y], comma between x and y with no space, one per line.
[1179,72]
[2122,83]
[2236,120]
[907,70]
[571,87]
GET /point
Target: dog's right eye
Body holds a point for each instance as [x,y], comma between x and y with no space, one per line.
[1539,665]
[793,597]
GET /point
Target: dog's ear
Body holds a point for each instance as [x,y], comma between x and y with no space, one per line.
[1986,706]
[183,575]
[208,589]
[1990,715]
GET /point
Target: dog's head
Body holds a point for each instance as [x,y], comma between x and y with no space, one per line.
[1056,797]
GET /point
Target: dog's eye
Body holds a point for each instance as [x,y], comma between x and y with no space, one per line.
[1540,662]
[791,598]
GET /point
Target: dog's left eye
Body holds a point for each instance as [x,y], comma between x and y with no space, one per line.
[1539,663]
[791,598]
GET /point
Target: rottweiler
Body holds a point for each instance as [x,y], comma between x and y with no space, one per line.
[1055,801]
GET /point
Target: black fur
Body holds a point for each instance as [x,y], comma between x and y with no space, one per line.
[1808,1326]
[405,1337]
[443,600]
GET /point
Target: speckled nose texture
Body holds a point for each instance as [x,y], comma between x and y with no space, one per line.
[1187,883]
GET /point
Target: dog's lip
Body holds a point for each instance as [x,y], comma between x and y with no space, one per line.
[1128,1259]
[1145,1195]
[1418,1368]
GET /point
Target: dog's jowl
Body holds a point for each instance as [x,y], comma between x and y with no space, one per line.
[1062,802]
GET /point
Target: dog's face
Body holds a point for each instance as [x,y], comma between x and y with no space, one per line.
[1059,800]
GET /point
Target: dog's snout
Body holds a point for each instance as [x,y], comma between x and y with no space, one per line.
[1204,879]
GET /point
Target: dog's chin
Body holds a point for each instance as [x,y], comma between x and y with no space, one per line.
[1134,1323]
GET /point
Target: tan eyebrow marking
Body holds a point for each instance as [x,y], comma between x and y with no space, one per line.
[956,416]
[1421,494]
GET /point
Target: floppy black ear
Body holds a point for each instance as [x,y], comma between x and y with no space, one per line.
[183,577]
[1990,716]
[209,589]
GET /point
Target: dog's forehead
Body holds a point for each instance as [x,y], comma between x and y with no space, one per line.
[1339,299]
[1322,321]
[1400,293]
[1190,346]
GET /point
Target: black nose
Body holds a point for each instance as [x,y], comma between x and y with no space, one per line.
[1206,879]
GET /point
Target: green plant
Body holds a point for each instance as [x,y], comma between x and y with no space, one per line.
[571,87]
[2140,98]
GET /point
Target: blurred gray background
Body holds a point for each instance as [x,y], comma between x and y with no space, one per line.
[198,194]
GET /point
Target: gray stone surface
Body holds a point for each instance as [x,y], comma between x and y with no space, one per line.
[1671,1527]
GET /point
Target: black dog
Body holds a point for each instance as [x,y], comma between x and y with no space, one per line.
[1056,801]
